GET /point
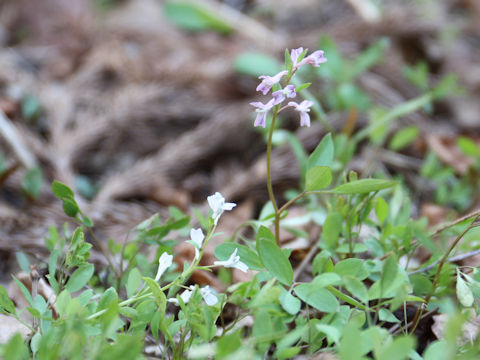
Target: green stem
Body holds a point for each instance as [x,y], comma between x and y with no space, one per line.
[442,262]
[178,281]
[269,177]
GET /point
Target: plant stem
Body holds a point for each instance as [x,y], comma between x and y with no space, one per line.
[442,262]
[269,177]
[179,281]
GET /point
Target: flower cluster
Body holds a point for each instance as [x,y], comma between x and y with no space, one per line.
[218,205]
[297,59]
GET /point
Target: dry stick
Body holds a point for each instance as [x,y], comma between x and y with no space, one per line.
[13,139]
[419,312]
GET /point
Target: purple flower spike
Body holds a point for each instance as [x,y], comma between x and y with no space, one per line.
[268,81]
[262,111]
[279,96]
[294,54]
[314,59]
[303,108]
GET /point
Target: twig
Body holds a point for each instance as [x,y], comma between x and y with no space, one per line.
[453,259]
[455,222]
[13,139]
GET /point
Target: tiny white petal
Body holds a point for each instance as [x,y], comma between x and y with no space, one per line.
[218,205]
[209,296]
[233,262]
[164,262]
[186,295]
[196,235]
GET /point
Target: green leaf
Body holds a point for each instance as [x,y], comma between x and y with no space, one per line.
[326,279]
[288,61]
[6,305]
[290,303]
[52,262]
[369,57]
[15,349]
[389,273]
[404,137]
[248,256]
[70,207]
[256,64]
[61,190]
[464,291]
[302,87]
[133,282]
[323,153]
[31,108]
[32,181]
[80,277]
[195,17]
[363,186]
[265,233]
[381,209]
[159,295]
[438,350]
[399,349]
[275,261]
[109,299]
[387,315]
[468,146]
[23,261]
[318,297]
[332,228]
[333,334]
[128,312]
[318,177]
[351,345]
[24,290]
[351,267]
[356,288]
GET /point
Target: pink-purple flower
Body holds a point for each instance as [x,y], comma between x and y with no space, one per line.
[294,54]
[262,111]
[314,59]
[269,81]
[279,96]
[303,108]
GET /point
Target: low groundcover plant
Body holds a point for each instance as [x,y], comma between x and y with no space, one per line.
[352,297]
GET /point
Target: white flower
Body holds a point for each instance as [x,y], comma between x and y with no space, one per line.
[185,296]
[218,205]
[208,295]
[196,235]
[233,262]
[164,262]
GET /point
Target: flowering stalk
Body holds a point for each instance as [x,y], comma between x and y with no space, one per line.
[269,177]
[294,61]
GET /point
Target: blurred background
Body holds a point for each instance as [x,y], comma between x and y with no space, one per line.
[139,105]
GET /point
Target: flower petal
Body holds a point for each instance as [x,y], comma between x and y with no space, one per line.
[209,296]
[164,262]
